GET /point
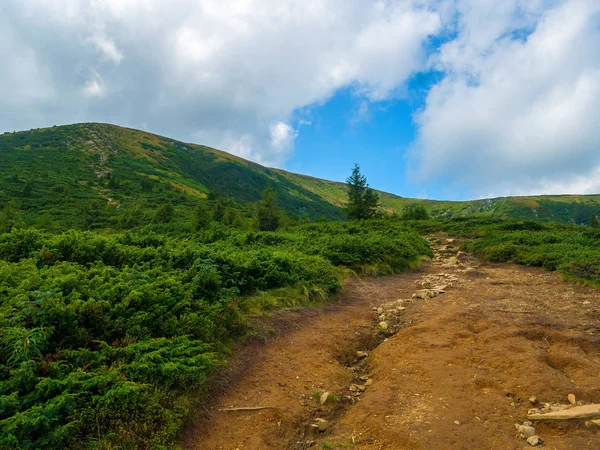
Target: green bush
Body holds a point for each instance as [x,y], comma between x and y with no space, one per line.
[106,338]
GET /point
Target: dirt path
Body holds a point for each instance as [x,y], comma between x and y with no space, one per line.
[453,371]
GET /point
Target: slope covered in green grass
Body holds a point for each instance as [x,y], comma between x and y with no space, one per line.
[55,177]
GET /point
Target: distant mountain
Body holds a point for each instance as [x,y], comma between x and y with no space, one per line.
[54,174]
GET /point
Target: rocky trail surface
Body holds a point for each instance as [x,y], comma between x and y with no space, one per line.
[455,355]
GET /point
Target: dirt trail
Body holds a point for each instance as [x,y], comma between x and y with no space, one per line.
[453,371]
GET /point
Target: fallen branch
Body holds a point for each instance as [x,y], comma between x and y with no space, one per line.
[249,408]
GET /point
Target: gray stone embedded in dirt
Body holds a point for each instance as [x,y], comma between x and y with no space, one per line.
[571,399]
[369,382]
[533,400]
[379,310]
[534,441]
[361,354]
[324,397]
[525,431]
[383,325]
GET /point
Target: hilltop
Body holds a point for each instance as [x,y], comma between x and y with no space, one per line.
[54,177]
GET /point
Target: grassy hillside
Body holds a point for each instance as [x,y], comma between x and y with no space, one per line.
[59,177]
[57,172]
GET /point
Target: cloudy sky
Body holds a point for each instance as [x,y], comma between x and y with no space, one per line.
[434,98]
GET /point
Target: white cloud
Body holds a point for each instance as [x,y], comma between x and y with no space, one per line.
[514,114]
[224,70]
[107,48]
[94,87]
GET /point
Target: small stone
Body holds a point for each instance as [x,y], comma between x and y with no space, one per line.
[320,424]
[352,388]
[595,422]
[383,325]
[572,400]
[533,400]
[526,431]
[423,294]
[361,354]
[369,382]
[324,397]
[457,422]
[534,441]
[379,310]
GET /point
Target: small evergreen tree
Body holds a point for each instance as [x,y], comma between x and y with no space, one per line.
[415,212]
[165,213]
[202,216]
[594,222]
[269,214]
[362,200]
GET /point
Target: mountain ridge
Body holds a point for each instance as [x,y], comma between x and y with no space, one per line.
[62,166]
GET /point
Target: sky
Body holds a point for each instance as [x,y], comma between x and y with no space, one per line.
[443,99]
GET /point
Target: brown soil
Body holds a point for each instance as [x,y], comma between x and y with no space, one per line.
[454,371]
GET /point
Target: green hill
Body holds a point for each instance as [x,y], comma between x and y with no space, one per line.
[57,177]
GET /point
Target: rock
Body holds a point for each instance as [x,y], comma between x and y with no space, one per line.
[534,441]
[361,354]
[525,431]
[572,400]
[369,382]
[320,424]
[361,388]
[352,388]
[595,422]
[462,257]
[324,397]
[383,325]
[470,270]
[577,412]
[379,310]
[533,400]
[423,294]
[457,422]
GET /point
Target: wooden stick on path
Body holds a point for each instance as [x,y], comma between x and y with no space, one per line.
[249,408]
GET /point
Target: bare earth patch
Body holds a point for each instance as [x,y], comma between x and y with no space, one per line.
[452,370]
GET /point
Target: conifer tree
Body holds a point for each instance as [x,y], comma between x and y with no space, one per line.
[202,216]
[269,214]
[594,222]
[362,200]
[165,213]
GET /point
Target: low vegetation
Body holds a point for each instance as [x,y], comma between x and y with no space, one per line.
[107,337]
[573,250]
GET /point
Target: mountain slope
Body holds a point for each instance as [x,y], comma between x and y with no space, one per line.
[57,173]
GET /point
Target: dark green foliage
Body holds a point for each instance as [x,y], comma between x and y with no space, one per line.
[107,338]
[415,212]
[165,213]
[362,201]
[202,216]
[594,221]
[268,215]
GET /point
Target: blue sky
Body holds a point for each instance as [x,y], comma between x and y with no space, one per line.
[447,99]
